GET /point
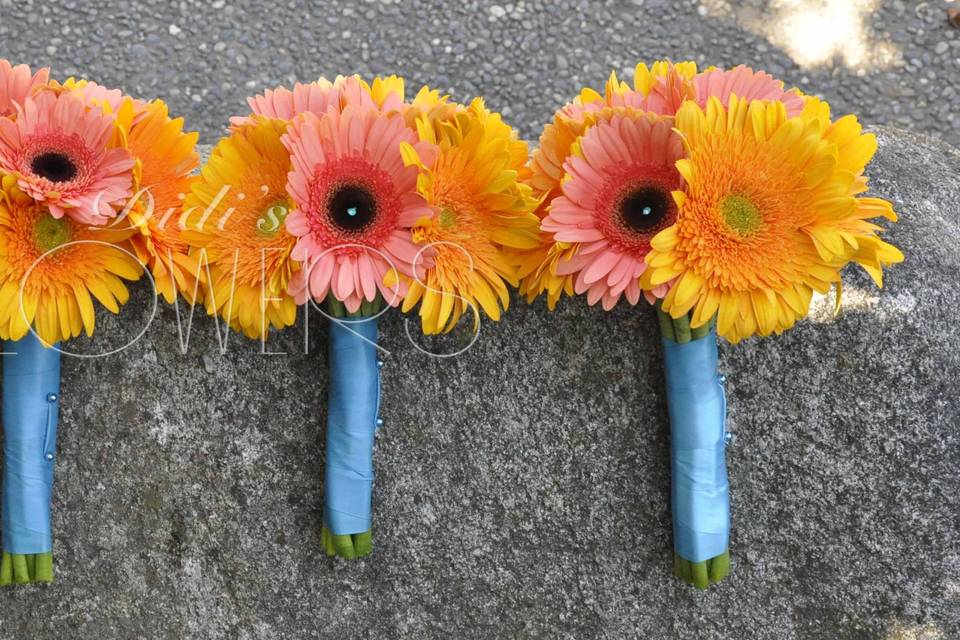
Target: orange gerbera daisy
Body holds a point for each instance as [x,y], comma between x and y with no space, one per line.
[165,157]
[770,214]
[234,222]
[483,211]
[57,265]
[431,106]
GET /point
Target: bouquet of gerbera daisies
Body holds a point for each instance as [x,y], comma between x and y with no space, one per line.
[69,164]
[727,201]
[366,201]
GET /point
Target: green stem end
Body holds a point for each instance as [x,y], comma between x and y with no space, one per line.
[679,330]
[367,308]
[351,546]
[26,569]
[702,574]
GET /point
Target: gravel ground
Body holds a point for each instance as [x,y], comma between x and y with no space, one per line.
[898,65]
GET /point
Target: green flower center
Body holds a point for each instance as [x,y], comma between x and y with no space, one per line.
[271,220]
[51,232]
[448,218]
[741,215]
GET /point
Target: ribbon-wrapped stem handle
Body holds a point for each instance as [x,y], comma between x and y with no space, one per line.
[31,402]
[700,494]
[353,406]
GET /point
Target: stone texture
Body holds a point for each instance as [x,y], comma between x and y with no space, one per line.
[523,487]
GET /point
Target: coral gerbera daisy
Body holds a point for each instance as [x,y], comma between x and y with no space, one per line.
[285,104]
[16,84]
[616,197]
[234,221]
[110,100]
[483,211]
[323,96]
[746,84]
[165,157]
[355,202]
[58,265]
[768,216]
[63,155]
[660,89]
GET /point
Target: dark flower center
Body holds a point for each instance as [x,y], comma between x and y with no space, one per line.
[55,167]
[644,209]
[352,207]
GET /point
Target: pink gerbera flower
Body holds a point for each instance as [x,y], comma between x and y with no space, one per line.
[107,99]
[747,84]
[616,197]
[60,152]
[283,104]
[16,84]
[355,201]
[317,98]
[664,97]
[667,91]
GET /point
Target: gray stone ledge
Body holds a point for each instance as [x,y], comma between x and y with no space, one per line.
[522,488]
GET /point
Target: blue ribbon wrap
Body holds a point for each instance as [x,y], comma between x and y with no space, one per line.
[700,492]
[31,398]
[352,409]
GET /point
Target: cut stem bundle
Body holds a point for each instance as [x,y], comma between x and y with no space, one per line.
[26,568]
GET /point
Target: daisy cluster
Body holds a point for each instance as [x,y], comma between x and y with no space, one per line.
[718,193]
[348,193]
[76,159]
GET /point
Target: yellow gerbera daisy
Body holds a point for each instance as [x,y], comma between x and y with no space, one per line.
[483,211]
[234,222]
[432,105]
[165,158]
[660,88]
[385,90]
[78,261]
[769,215]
